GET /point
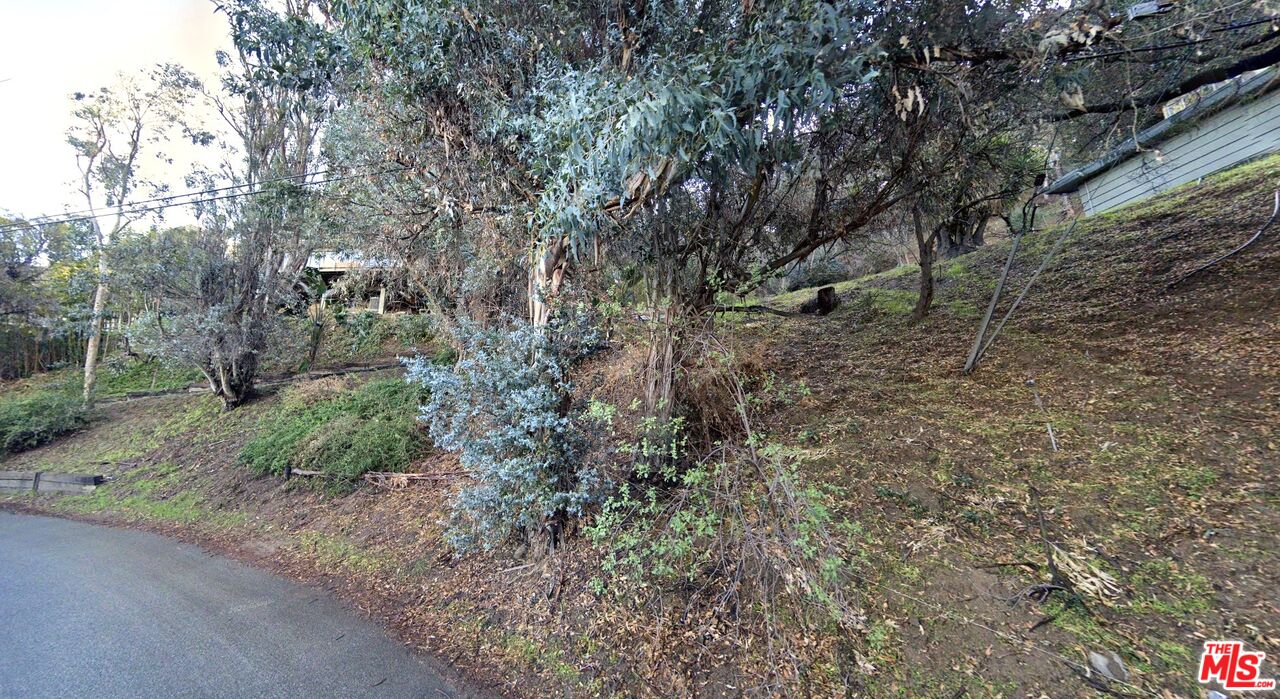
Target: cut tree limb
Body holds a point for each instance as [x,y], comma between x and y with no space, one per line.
[391,479]
[752,309]
[1274,211]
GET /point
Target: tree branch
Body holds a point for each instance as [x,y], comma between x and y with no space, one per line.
[720,308]
[1195,82]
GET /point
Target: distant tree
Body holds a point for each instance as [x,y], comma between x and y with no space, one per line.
[222,286]
[192,274]
[28,251]
[21,247]
[111,129]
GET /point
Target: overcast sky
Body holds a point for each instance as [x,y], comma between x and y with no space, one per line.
[52,48]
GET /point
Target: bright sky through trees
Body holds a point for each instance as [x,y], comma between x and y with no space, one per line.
[53,48]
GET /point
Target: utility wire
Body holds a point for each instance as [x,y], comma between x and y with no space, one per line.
[134,208]
[1176,45]
[41,220]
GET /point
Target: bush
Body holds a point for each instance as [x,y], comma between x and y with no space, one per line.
[365,331]
[28,421]
[360,333]
[121,376]
[738,532]
[414,328]
[348,447]
[344,436]
[502,408]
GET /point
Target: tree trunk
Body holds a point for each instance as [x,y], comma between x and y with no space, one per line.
[545,279]
[317,336]
[95,330]
[926,247]
[232,379]
[962,236]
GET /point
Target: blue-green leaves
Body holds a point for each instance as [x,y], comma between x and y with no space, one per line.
[502,410]
[712,91]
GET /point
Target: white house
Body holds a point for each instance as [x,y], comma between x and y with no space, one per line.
[1236,122]
[333,264]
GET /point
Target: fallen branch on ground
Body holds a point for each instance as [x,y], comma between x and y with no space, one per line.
[753,309]
[387,479]
[1274,211]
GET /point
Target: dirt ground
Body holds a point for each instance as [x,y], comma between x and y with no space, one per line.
[1159,483]
[1155,498]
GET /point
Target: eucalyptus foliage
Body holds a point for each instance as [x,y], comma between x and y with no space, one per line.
[503,409]
[565,121]
[756,133]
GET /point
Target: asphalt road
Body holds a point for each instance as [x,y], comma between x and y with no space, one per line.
[89,611]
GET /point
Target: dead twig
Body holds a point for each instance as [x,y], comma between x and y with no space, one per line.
[753,309]
[1053,439]
[1274,212]
[1056,578]
[1102,684]
[393,480]
[1038,593]
[1010,564]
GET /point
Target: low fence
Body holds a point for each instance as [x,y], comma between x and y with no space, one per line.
[46,482]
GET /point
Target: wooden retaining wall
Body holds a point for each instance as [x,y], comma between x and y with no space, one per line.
[47,482]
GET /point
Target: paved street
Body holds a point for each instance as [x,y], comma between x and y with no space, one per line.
[91,611]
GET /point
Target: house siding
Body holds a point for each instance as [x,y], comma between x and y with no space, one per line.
[1234,135]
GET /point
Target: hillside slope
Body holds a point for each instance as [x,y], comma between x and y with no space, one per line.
[1159,505]
[1164,407]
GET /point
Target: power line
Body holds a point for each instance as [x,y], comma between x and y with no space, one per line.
[41,220]
[134,208]
[1176,45]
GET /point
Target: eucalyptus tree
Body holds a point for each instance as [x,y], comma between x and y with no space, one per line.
[684,136]
[715,143]
[111,132]
[274,96]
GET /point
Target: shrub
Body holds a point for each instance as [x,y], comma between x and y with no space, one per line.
[365,331]
[750,508]
[123,375]
[735,529]
[347,447]
[27,421]
[344,436]
[414,328]
[503,410]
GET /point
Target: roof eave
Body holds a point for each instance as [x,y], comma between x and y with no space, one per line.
[1212,103]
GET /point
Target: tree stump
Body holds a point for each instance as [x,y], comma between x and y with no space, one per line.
[822,304]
